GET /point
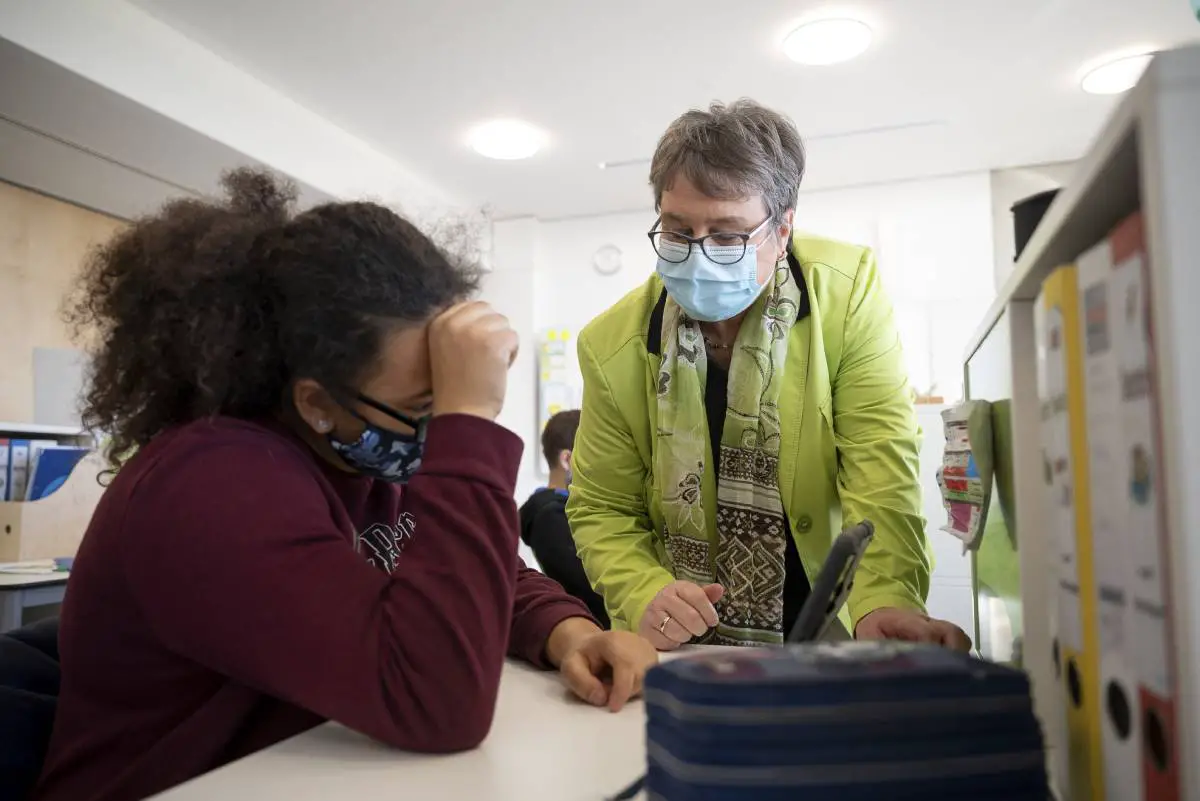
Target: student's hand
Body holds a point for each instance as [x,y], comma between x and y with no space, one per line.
[905,624]
[604,668]
[471,347]
[681,610]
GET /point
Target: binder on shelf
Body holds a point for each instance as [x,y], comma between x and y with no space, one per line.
[18,469]
[19,464]
[4,449]
[1058,756]
[1068,512]
[1118,685]
[1142,478]
[50,467]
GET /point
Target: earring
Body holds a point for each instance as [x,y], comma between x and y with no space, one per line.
[323,426]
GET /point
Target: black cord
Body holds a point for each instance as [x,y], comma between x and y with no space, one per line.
[629,792]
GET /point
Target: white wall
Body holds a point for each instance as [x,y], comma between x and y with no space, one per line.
[1009,187]
[509,287]
[933,243]
[569,291]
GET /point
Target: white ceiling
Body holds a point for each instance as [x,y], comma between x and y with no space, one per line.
[949,85]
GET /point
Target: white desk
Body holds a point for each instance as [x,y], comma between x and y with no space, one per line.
[543,745]
[19,591]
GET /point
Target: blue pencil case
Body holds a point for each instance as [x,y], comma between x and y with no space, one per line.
[845,721]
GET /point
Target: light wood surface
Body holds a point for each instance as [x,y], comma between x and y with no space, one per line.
[43,244]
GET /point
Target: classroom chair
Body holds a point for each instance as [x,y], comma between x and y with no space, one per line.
[29,677]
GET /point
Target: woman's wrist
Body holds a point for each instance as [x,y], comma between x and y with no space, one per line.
[567,636]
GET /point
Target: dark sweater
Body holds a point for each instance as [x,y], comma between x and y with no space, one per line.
[544,528]
[234,590]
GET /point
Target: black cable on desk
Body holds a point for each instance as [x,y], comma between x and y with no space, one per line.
[631,791]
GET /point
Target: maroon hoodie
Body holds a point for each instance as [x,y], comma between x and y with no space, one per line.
[233,590]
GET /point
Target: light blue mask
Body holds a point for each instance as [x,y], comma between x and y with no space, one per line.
[707,291]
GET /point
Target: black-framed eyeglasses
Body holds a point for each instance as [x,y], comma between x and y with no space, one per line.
[417,424]
[719,247]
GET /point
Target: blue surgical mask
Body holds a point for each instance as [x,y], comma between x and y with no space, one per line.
[707,291]
[380,453]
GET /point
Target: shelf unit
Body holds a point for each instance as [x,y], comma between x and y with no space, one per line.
[1147,157]
[52,526]
[27,430]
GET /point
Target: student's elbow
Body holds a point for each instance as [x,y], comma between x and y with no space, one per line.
[445,720]
[452,736]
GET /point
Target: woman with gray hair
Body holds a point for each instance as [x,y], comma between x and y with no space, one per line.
[740,404]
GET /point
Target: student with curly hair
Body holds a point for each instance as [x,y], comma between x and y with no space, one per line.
[317,521]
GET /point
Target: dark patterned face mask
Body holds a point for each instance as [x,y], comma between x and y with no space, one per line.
[379,453]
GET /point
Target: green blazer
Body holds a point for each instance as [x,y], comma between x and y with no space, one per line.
[849,450]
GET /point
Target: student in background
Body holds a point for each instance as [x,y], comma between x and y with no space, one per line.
[318,520]
[544,526]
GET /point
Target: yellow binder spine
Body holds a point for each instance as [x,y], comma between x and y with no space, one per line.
[1067,474]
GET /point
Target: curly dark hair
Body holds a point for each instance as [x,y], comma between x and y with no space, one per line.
[214,307]
[559,435]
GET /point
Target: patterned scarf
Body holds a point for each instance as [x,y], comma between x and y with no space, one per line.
[750,538]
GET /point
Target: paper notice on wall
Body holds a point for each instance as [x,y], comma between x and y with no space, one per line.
[558,378]
[965,477]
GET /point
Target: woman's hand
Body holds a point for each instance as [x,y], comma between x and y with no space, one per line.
[604,668]
[681,610]
[905,624]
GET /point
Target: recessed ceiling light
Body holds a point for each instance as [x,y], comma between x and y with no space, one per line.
[612,165]
[827,41]
[1116,76]
[507,140]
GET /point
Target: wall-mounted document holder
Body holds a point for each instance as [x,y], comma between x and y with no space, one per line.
[965,477]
